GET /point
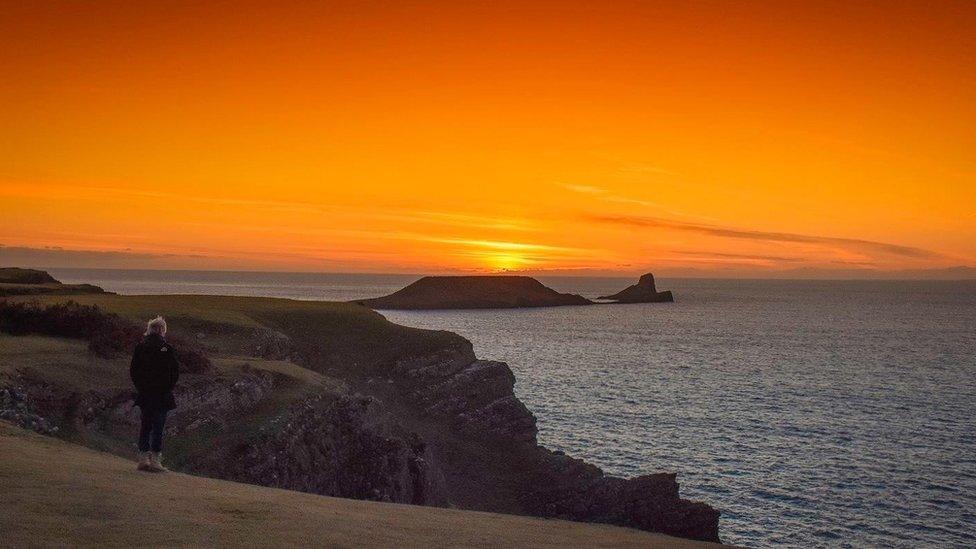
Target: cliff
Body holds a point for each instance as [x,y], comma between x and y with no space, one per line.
[474,292]
[17,281]
[16,275]
[333,399]
[642,292]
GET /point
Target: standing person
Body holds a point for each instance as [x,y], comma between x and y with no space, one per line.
[154,371]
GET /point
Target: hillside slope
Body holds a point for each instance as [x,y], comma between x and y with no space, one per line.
[56,493]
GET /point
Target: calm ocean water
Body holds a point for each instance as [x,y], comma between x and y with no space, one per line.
[812,413]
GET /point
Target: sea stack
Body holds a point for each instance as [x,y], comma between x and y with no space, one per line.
[642,292]
[474,292]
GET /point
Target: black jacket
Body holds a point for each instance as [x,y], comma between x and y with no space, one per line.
[154,371]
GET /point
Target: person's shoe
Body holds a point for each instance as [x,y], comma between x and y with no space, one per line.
[145,462]
[156,462]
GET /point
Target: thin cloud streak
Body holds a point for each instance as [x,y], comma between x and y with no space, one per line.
[504,246]
[606,195]
[750,257]
[644,167]
[450,219]
[770,236]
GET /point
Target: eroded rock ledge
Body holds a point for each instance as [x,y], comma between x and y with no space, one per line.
[476,397]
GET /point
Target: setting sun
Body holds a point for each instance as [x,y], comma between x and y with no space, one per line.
[506,262]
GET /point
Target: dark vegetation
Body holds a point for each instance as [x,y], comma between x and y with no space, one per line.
[16,275]
[17,281]
[108,334]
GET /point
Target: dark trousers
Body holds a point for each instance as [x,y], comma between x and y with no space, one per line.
[151,430]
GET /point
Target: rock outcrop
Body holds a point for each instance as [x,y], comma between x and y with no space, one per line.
[17,281]
[15,408]
[642,292]
[474,292]
[571,489]
[475,397]
[343,446]
[16,275]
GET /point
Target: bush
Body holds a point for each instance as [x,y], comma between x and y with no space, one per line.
[108,334]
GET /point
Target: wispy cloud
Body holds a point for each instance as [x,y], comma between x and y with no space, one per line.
[607,195]
[586,189]
[502,246]
[460,220]
[392,213]
[644,167]
[771,236]
[748,257]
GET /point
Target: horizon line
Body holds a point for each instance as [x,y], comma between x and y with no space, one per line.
[840,274]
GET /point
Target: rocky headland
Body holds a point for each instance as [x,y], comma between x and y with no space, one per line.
[474,292]
[17,281]
[642,292]
[326,398]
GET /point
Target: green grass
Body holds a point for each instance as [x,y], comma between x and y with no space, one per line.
[234,365]
[63,362]
[331,336]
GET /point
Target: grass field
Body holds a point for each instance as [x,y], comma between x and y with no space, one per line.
[331,335]
[57,494]
[65,362]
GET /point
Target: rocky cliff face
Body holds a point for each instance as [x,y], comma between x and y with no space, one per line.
[344,446]
[474,397]
[572,489]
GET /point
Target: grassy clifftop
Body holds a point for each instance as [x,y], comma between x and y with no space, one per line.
[57,493]
[330,335]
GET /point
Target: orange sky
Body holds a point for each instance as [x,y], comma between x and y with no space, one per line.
[718,136]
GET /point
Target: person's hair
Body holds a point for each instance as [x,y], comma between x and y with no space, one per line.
[156,326]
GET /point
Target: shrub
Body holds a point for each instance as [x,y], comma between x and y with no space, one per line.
[108,334]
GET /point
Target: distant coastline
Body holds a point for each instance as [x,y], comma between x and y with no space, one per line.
[958,273]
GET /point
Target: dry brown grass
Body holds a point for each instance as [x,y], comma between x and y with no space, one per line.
[55,494]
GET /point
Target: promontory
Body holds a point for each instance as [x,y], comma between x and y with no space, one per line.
[474,292]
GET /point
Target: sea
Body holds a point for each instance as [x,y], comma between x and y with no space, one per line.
[811,413]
